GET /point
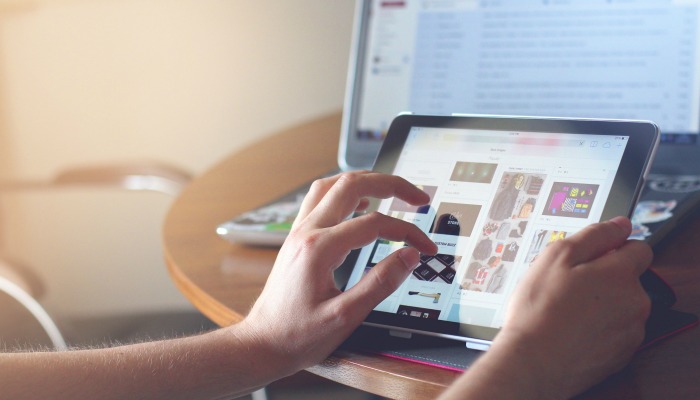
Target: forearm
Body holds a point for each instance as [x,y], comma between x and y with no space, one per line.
[220,364]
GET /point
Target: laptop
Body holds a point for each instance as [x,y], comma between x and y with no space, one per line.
[615,59]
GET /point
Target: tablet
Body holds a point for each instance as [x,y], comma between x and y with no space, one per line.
[502,189]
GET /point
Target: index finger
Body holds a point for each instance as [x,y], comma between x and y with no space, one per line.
[361,231]
[634,253]
[318,189]
[598,239]
[349,189]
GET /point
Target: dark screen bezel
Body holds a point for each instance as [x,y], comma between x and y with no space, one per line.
[627,184]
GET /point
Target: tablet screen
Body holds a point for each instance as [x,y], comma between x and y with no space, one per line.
[498,198]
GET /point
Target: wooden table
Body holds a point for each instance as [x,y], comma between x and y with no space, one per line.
[223,280]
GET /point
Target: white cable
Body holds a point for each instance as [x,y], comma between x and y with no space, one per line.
[37,311]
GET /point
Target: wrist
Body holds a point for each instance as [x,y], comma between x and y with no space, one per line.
[267,359]
[234,361]
[511,369]
[529,374]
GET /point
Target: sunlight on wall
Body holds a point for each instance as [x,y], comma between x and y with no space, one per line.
[182,81]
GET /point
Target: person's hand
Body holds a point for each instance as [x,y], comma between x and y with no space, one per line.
[300,314]
[576,317]
[299,318]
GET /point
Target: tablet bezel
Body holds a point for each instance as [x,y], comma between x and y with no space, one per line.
[625,190]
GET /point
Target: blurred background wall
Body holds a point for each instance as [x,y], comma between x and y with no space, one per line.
[181,81]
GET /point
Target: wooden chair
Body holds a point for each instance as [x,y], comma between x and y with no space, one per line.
[24,322]
[150,176]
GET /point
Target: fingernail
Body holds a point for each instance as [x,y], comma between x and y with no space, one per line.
[410,257]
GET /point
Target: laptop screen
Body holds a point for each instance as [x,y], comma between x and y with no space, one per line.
[617,59]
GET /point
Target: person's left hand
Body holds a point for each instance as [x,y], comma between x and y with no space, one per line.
[576,317]
[300,313]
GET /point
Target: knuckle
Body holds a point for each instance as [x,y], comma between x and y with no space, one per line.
[604,229]
[308,242]
[375,217]
[382,277]
[339,314]
[379,276]
[562,249]
[321,185]
[347,179]
[299,226]
[347,183]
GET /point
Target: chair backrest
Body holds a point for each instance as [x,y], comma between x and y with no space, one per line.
[132,176]
[143,175]
[20,293]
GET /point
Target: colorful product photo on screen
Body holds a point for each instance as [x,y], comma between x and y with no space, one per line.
[569,199]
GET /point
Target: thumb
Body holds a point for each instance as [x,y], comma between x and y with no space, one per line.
[382,280]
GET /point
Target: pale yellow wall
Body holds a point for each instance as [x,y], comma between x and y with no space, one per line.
[182,81]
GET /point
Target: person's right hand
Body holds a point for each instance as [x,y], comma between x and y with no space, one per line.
[301,316]
[576,317]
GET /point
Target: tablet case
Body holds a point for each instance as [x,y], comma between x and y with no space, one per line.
[453,355]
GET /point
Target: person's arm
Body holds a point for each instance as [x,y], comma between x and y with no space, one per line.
[298,320]
[225,362]
[577,316]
